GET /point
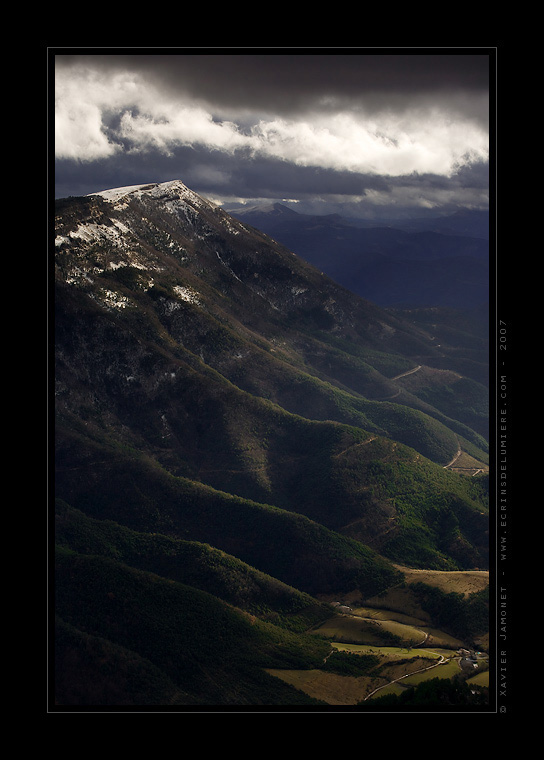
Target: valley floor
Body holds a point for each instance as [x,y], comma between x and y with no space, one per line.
[396,668]
[399,642]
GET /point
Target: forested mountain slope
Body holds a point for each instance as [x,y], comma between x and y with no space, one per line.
[219,399]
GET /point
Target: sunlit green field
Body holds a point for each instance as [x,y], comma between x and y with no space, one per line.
[355,628]
[382,628]
[391,653]
[377,614]
[480,679]
[397,668]
[446,670]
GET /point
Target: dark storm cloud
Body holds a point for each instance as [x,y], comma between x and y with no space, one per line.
[294,81]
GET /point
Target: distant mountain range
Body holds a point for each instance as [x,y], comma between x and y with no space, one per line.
[440,262]
[238,439]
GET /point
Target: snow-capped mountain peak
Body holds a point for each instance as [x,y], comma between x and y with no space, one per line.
[173,190]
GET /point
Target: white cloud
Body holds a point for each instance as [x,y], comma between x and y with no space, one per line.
[168,126]
[427,142]
[416,141]
[78,120]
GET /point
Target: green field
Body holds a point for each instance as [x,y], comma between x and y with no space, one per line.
[391,653]
[356,629]
[403,651]
[382,628]
[445,670]
[394,669]
[481,679]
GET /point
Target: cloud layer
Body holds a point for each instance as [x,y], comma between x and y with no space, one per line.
[228,119]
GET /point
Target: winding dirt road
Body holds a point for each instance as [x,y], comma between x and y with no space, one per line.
[455,458]
[410,372]
[441,661]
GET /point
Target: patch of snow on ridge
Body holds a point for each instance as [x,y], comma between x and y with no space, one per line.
[174,186]
[120,226]
[96,232]
[186,294]
[116,193]
[228,223]
[111,300]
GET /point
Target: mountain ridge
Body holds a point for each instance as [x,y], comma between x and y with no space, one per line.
[212,387]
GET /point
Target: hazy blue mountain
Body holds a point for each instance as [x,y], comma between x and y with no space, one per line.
[437,262]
